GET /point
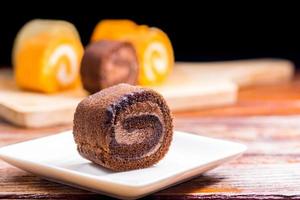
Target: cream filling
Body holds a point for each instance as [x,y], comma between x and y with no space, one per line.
[156,60]
[65,78]
[123,137]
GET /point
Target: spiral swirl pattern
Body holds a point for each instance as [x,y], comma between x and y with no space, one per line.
[65,57]
[156,62]
[123,127]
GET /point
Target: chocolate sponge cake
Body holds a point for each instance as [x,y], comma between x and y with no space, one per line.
[107,63]
[123,127]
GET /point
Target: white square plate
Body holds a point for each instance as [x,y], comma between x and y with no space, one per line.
[56,158]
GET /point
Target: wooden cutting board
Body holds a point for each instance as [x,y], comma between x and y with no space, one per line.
[191,86]
[243,73]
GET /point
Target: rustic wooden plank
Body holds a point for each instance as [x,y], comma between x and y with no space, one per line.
[283,99]
[6,127]
[269,169]
[25,108]
[273,178]
[200,90]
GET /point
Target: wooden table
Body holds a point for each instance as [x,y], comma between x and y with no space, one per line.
[266,118]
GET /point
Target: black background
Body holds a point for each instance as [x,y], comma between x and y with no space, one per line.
[198,32]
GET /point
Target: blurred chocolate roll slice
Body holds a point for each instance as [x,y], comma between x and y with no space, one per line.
[123,127]
[107,63]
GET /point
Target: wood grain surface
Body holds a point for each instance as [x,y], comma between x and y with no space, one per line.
[206,85]
[266,119]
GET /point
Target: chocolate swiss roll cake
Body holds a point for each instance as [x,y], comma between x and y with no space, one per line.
[123,127]
[107,63]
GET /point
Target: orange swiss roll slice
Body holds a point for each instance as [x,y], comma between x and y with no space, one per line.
[47,55]
[154,49]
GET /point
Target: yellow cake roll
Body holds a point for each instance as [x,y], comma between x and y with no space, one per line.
[47,56]
[154,49]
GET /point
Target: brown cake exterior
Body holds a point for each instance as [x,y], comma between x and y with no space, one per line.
[107,63]
[123,127]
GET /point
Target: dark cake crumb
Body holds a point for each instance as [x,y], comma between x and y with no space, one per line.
[123,127]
